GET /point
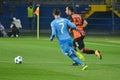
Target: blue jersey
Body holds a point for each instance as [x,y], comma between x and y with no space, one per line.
[60,27]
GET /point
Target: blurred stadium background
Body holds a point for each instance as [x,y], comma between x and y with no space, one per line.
[43,60]
[103,16]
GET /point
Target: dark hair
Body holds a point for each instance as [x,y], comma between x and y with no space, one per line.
[71,8]
[56,12]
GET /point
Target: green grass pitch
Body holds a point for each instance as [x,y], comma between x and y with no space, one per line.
[43,60]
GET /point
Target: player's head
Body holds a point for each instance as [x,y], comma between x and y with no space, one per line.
[56,13]
[69,10]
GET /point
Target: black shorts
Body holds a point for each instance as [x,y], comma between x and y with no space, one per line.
[79,43]
[15,30]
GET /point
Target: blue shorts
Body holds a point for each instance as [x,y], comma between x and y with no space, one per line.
[67,47]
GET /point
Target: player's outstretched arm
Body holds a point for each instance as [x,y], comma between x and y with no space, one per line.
[74,27]
[71,25]
[53,32]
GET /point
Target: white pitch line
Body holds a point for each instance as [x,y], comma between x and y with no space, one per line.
[95,43]
[102,44]
[114,41]
[54,63]
[32,62]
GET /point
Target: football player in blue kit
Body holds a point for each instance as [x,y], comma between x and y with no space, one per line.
[60,28]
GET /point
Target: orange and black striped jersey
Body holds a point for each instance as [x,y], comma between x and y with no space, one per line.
[78,21]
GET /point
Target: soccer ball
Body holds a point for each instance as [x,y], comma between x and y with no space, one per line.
[18,60]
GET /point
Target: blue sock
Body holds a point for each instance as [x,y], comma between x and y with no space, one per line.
[76,59]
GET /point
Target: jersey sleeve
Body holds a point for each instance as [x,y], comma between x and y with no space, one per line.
[71,25]
[11,26]
[53,31]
